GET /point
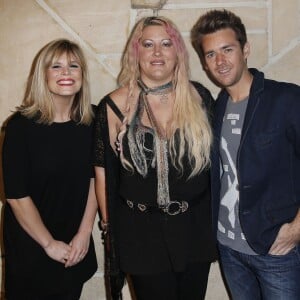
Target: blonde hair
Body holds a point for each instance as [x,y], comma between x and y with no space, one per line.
[37,101]
[189,115]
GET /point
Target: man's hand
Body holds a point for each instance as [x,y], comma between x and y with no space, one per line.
[288,237]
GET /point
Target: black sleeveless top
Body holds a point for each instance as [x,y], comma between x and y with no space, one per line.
[139,189]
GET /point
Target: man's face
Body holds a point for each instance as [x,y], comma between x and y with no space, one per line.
[223,57]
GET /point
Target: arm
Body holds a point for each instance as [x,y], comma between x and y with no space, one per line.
[289,233]
[101,192]
[101,144]
[81,241]
[108,123]
[30,220]
[288,237]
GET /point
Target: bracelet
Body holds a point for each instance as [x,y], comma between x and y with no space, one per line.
[104,226]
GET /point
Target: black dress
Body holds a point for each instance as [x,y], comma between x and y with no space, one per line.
[148,243]
[52,165]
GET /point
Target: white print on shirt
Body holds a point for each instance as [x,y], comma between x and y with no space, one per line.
[231,196]
[233,117]
[231,234]
[221,227]
[236,130]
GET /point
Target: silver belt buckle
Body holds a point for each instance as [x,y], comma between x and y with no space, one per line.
[175,207]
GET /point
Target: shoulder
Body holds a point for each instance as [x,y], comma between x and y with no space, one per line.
[202,90]
[17,120]
[205,94]
[281,86]
[273,87]
[111,107]
[117,103]
[16,117]
[16,129]
[284,94]
[118,96]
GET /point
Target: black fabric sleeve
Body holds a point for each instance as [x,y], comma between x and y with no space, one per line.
[15,158]
[208,100]
[100,134]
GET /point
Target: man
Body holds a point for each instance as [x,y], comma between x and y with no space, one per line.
[255,165]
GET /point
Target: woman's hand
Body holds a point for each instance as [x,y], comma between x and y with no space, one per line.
[81,241]
[79,248]
[58,250]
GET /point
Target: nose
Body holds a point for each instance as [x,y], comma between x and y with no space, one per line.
[157,50]
[65,70]
[219,58]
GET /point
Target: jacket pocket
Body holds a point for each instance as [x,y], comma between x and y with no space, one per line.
[266,139]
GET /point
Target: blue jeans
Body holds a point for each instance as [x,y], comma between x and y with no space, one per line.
[255,277]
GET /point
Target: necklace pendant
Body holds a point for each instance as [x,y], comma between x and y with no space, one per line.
[164,98]
[162,90]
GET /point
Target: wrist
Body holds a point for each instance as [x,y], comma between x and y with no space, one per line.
[104,225]
[46,244]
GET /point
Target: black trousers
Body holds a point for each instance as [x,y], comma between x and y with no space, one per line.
[73,294]
[188,285]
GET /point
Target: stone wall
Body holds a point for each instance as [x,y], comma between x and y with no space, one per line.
[102,27]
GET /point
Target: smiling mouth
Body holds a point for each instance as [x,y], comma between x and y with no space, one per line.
[66,82]
[157,63]
[223,71]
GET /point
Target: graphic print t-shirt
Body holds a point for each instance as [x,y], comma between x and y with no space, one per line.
[229,229]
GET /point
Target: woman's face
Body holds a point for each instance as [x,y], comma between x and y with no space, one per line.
[64,76]
[157,56]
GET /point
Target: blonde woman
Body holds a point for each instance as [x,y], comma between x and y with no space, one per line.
[153,141]
[48,178]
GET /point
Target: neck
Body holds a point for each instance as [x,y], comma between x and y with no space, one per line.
[158,90]
[241,90]
[62,109]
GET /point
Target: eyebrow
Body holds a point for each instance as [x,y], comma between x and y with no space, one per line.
[229,45]
[163,39]
[222,48]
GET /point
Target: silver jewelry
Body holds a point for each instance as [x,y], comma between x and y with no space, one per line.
[162,90]
[136,138]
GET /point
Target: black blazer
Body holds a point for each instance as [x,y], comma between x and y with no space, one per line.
[268,160]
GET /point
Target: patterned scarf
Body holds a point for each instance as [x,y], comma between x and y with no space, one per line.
[136,142]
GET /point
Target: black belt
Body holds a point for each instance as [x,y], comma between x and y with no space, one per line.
[172,208]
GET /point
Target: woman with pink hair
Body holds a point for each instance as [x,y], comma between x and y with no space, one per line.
[152,150]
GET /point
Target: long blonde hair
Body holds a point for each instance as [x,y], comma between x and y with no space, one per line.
[189,116]
[37,101]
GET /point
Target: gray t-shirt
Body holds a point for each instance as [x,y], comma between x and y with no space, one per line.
[229,228]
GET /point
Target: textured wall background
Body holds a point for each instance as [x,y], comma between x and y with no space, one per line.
[102,27]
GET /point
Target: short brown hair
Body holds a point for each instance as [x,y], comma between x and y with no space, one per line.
[213,21]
